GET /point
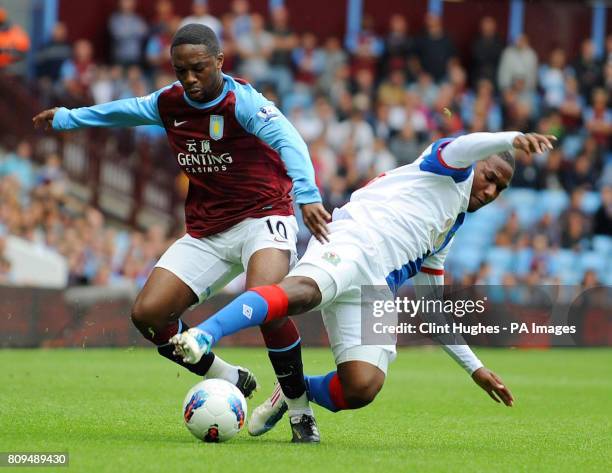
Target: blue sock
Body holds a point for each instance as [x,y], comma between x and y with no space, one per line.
[247,310]
[317,388]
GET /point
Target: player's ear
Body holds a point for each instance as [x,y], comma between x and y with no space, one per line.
[220,57]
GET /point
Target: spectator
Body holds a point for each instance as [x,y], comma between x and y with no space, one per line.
[392,92]
[164,17]
[157,50]
[355,130]
[19,166]
[309,60]
[435,48]
[573,231]
[255,48]
[552,79]
[526,174]
[486,51]
[200,14]
[552,174]
[598,118]
[405,146]
[14,41]
[518,61]
[399,46]
[77,74]
[587,69]
[366,48]
[602,220]
[285,41]
[572,105]
[128,31]
[241,23]
[51,56]
[335,58]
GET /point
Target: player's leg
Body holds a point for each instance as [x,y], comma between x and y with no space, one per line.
[186,274]
[355,384]
[268,254]
[269,266]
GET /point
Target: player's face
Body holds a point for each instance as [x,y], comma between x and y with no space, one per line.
[198,70]
[491,177]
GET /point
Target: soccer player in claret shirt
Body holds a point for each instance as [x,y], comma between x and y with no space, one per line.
[242,158]
[399,226]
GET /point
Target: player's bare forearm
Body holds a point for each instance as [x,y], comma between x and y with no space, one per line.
[316,217]
[493,386]
[44,119]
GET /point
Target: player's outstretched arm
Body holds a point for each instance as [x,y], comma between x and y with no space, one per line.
[493,386]
[428,285]
[464,151]
[119,113]
[44,119]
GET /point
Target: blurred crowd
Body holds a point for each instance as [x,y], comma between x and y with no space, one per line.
[363,106]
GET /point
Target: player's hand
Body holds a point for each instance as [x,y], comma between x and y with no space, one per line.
[44,119]
[493,385]
[534,142]
[316,217]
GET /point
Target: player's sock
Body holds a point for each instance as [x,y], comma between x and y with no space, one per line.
[326,391]
[254,307]
[165,349]
[285,353]
[222,369]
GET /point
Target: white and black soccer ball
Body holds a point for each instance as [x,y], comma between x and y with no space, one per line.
[214,410]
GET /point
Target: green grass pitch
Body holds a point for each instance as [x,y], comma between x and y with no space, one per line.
[119,410]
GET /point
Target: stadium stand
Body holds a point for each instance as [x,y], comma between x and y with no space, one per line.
[92,196]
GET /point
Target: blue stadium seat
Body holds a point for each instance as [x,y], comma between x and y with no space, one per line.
[572,144]
[552,201]
[593,260]
[590,202]
[602,245]
[570,276]
[464,259]
[562,260]
[524,203]
[500,259]
[523,260]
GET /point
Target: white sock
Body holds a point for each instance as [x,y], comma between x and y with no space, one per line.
[298,406]
[223,370]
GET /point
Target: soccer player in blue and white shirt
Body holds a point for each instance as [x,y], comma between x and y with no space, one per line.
[399,226]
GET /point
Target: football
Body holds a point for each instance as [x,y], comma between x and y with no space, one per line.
[214,410]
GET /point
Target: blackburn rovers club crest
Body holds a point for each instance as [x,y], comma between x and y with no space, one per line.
[331,258]
[216,127]
[448,225]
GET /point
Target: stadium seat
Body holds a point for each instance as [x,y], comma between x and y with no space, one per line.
[465,260]
[602,245]
[523,202]
[590,202]
[593,260]
[500,259]
[572,144]
[562,260]
[552,201]
[523,260]
[570,277]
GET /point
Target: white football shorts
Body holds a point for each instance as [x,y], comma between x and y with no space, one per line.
[208,264]
[340,268]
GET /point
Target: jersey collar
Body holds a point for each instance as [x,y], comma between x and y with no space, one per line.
[212,103]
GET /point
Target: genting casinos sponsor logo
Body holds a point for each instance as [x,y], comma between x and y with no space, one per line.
[199,158]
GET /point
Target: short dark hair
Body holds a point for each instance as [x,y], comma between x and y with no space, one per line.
[196,33]
[508,157]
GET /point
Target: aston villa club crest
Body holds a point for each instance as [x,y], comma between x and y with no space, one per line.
[216,127]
